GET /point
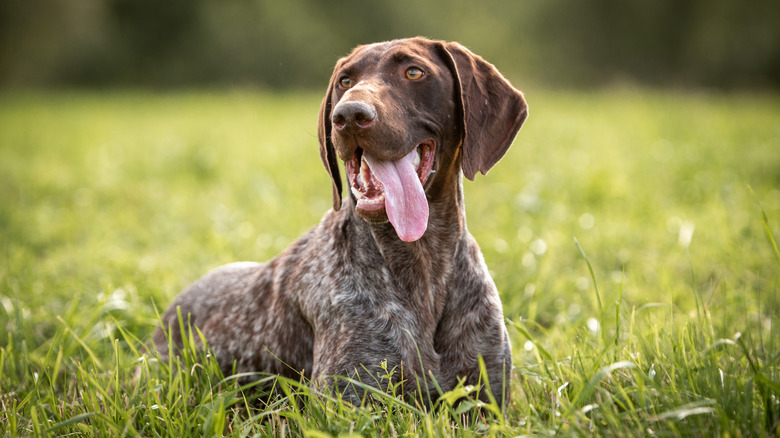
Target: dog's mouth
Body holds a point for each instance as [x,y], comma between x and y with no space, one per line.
[393,190]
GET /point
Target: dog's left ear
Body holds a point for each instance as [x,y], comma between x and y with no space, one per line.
[327,151]
[492,109]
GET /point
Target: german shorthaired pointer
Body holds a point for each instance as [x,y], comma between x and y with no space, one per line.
[391,273]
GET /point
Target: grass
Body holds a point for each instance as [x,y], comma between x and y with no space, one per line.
[632,235]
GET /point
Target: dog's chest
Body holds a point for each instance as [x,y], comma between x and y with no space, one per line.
[375,298]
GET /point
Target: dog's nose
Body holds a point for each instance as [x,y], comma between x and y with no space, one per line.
[353,114]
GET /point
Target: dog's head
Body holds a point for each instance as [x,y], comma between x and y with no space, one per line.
[405,115]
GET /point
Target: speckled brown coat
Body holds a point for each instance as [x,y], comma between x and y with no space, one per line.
[349,293]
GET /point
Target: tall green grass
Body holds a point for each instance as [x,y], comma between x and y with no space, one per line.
[632,235]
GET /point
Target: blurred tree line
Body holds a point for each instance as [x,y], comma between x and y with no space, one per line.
[294,43]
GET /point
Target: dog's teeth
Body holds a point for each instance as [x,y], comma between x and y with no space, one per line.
[416,161]
[363,173]
[356,192]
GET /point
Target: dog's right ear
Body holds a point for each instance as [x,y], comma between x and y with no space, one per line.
[327,151]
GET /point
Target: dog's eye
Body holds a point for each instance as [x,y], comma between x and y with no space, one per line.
[414,73]
[345,82]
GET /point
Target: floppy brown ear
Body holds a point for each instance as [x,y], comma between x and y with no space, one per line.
[493,110]
[327,151]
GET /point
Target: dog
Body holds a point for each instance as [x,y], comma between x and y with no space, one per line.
[391,273]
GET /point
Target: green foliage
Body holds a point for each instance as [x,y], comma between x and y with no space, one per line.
[111,203]
[294,44]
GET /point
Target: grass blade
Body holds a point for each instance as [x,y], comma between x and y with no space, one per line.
[72,420]
[590,387]
[767,229]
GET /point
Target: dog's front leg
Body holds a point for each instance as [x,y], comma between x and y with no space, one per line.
[471,326]
[376,353]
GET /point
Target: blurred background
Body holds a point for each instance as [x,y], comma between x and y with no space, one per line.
[292,44]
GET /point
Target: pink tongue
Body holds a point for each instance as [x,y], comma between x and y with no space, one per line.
[405,202]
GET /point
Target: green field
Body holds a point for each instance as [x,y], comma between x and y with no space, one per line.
[110,203]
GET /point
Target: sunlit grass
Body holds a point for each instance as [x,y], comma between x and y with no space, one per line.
[632,236]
